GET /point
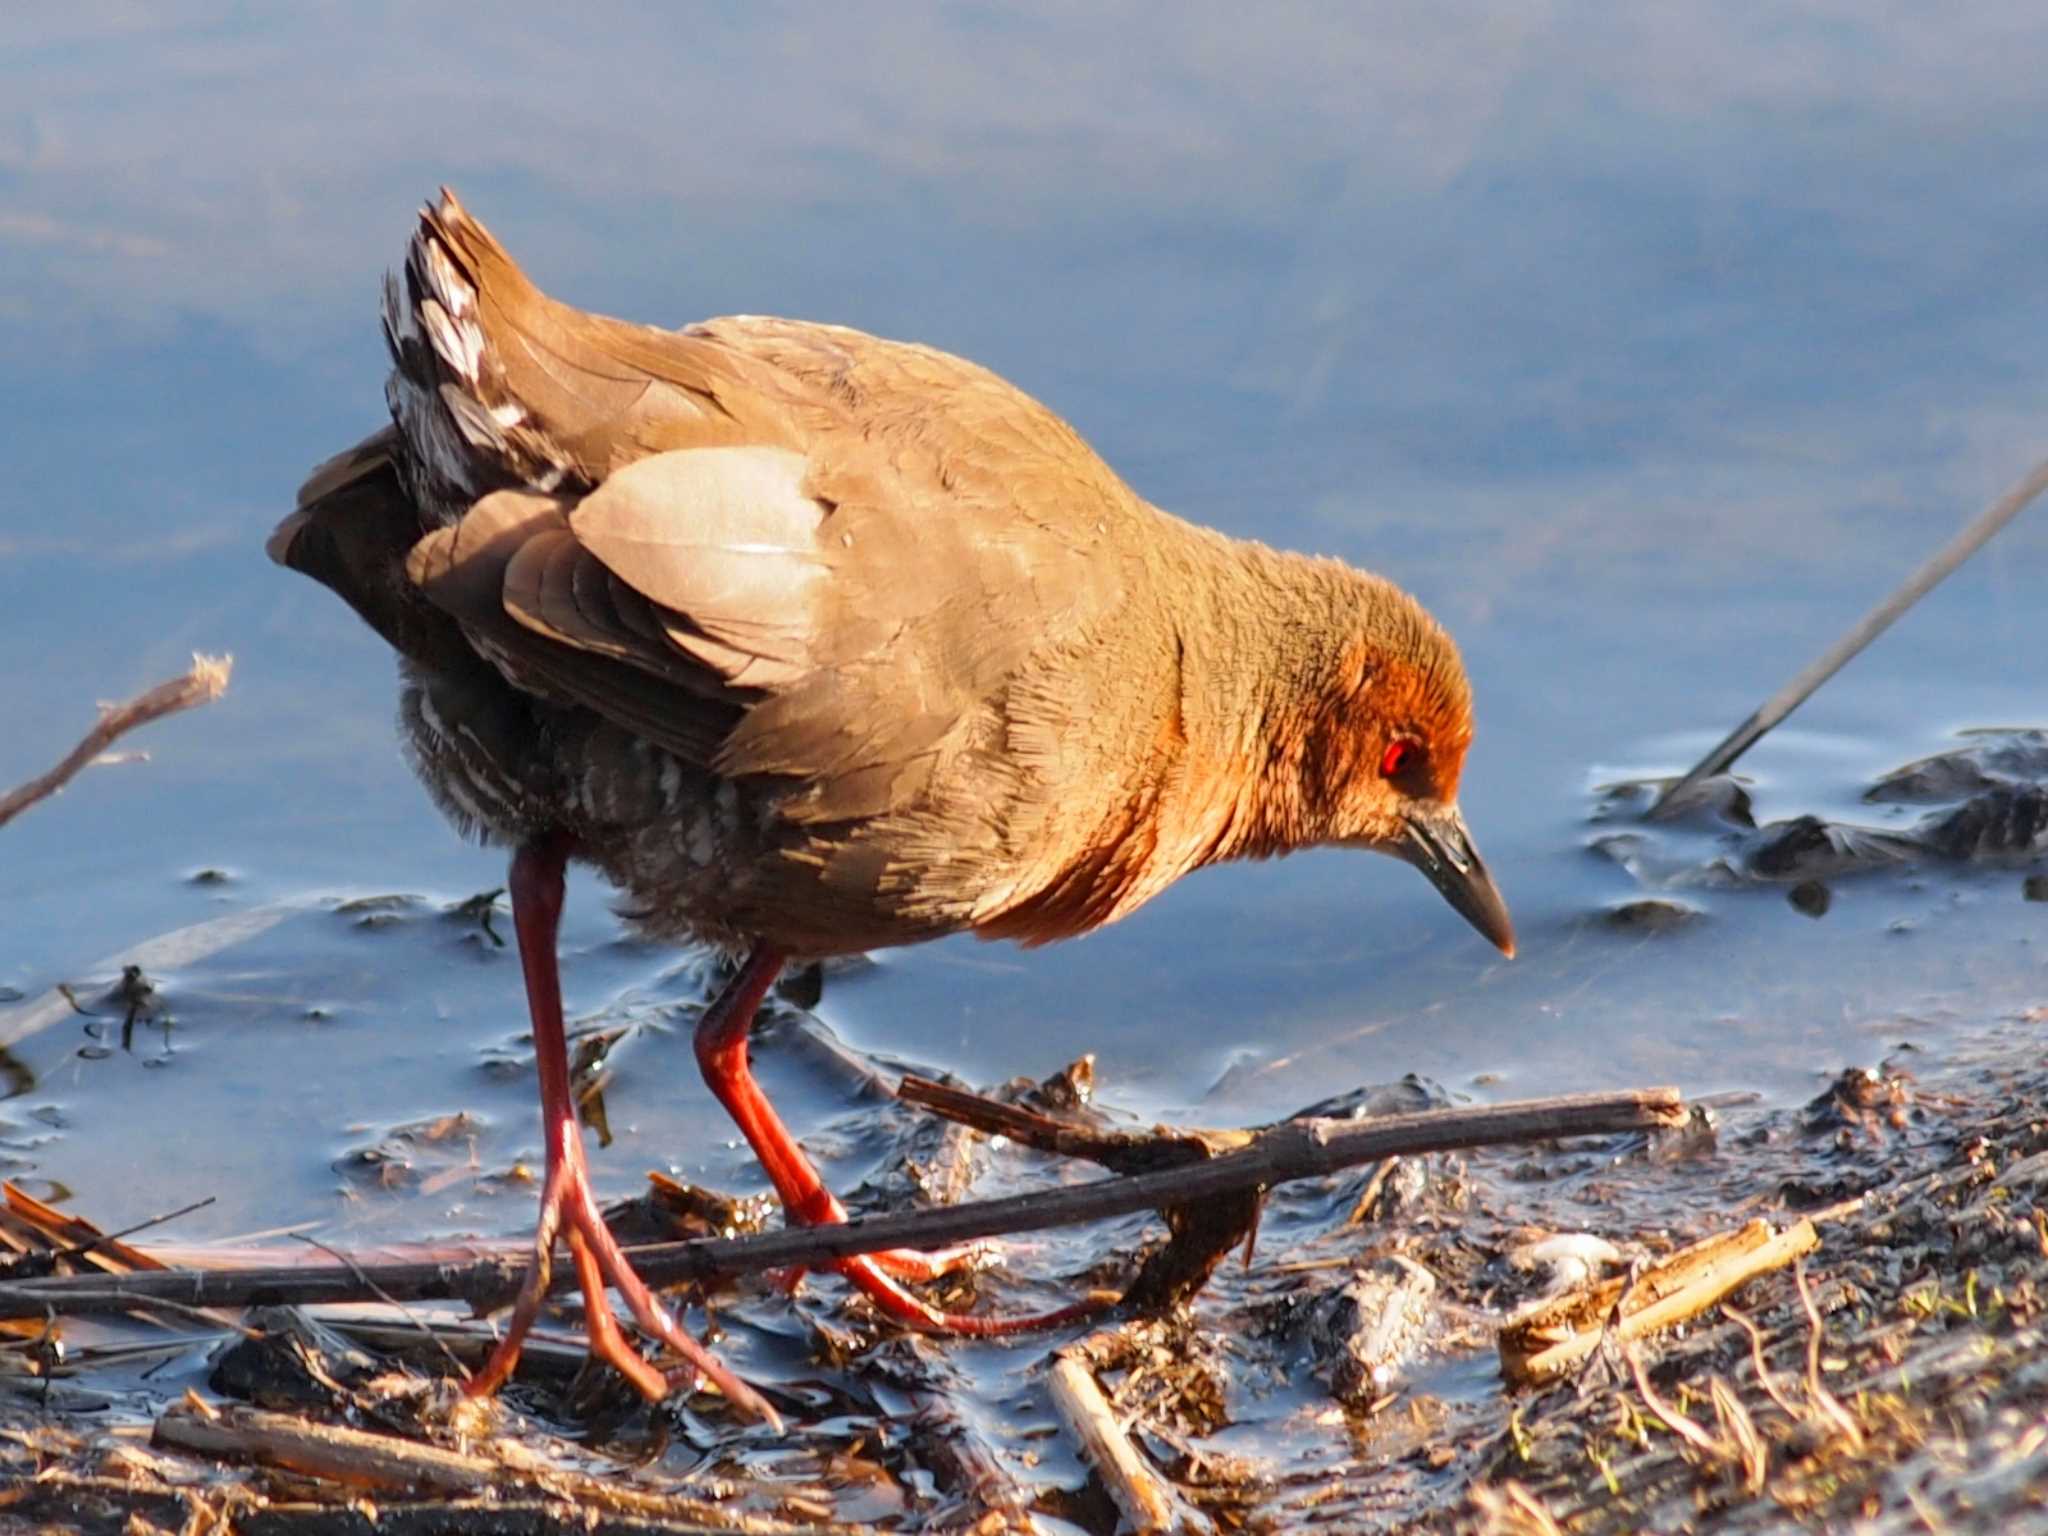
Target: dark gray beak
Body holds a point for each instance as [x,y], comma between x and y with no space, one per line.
[1440,846]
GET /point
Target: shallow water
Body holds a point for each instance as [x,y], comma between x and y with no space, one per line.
[1649,359]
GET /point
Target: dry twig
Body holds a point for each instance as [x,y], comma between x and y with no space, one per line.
[1295,1149]
[1509,1509]
[1764,1377]
[207,681]
[1825,1402]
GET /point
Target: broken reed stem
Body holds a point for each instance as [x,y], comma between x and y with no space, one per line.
[207,681]
[1137,1491]
[355,1457]
[392,1468]
[1543,1342]
[1295,1149]
[1935,569]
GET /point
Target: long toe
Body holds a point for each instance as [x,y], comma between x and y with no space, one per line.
[875,1283]
[917,1264]
[568,1207]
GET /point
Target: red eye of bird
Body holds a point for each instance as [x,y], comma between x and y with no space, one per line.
[1399,757]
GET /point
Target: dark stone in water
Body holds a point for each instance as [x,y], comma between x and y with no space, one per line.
[290,1362]
[1722,798]
[1992,804]
[1932,782]
[1786,847]
[1361,1335]
[802,986]
[1996,824]
[1869,1100]
[1807,848]
[1620,847]
[361,905]
[1993,758]
[1652,914]
[1410,1095]
[2035,888]
[1811,897]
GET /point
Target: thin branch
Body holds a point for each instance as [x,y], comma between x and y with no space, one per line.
[419,1323]
[1026,1127]
[1296,1149]
[1673,1419]
[1361,1208]
[207,681]
[1764,1377]
[1874,623]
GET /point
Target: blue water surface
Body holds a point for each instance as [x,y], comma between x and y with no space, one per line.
[1649,347]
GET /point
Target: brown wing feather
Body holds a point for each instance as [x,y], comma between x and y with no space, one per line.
[486,572]
[599,392]
[823,556]
[352,530]
[724,538]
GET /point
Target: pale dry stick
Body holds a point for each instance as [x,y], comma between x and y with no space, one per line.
[1868,628]
[1361,1208]
[1673,1418]
[470,1342]
[207,681]
[210,1316]
[390,1464]
[101,1240]
[1134,1487]
[1740,1445]
[1739,1430]
[1543,1342]
[1295,1149]
[1512,1510]
[355,1457]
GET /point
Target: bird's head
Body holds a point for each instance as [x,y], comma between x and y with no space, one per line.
[1385,746]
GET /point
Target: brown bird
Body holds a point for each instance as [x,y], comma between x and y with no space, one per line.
[814,643]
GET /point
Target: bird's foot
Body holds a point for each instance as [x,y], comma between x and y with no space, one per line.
[888,1295]
[877,1275]
[569,1208]
[721,1044]
[918,1264]
[816,1206]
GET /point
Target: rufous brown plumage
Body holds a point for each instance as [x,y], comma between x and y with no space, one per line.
[813,643]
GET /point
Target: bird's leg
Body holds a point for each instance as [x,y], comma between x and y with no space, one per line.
[722,1054]
[567,1203]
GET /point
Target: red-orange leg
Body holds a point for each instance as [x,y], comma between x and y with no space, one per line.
[722,1054]
[568,1205]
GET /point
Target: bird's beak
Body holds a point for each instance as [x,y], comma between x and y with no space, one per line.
[1440,846]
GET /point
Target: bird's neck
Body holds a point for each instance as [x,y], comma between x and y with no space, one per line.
[1265,648]
[1228,684]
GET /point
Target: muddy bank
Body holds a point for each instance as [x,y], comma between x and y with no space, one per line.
[1346,1380]
[1340,1369]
